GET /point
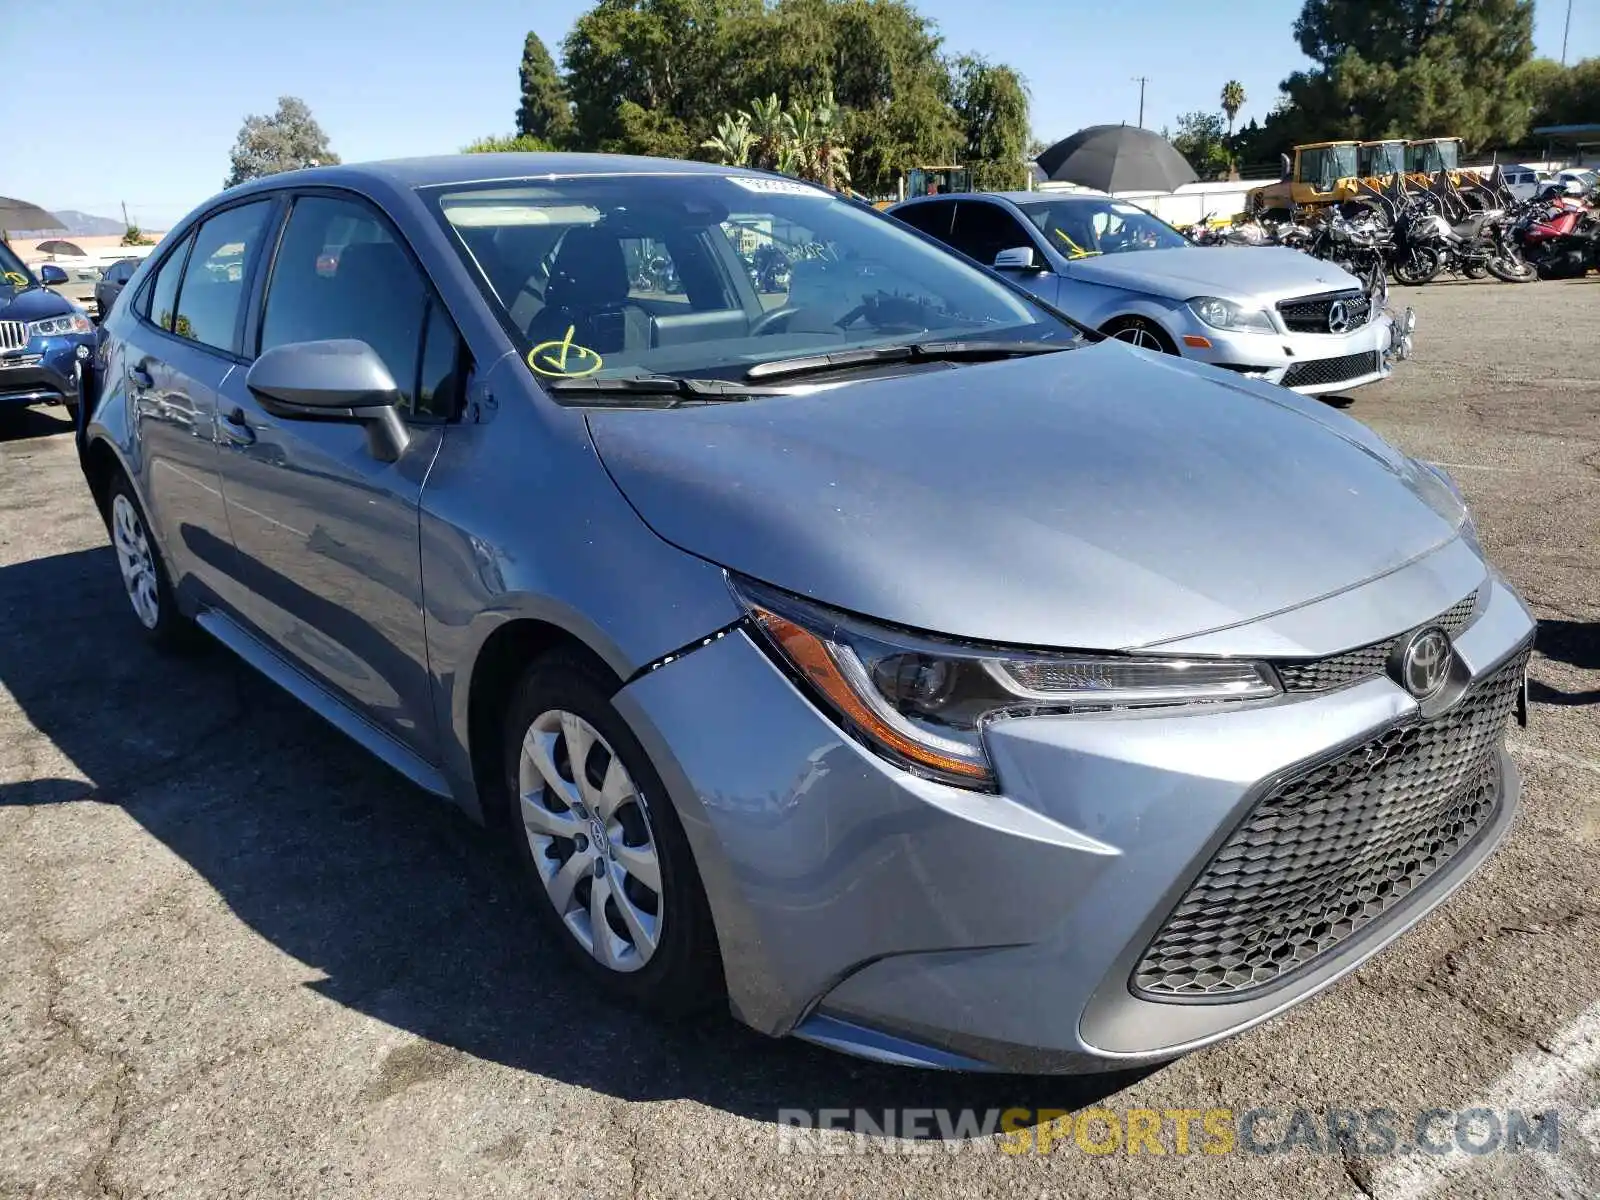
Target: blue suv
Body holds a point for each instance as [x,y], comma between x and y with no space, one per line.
[43,337]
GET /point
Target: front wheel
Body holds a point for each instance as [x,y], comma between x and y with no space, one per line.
[1417,265]
[1512,268]
[1137,331]
[615,880]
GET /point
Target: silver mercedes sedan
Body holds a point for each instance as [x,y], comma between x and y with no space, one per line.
[831,631]
[1266,312]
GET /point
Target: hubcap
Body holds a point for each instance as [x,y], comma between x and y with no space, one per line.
[1138,335]
[137,563]
[592,842]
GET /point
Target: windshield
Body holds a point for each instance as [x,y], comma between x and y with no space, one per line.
[1326,165]
[13,274]
[711,275]
[1435,156]
[1384,159]
[1081,227]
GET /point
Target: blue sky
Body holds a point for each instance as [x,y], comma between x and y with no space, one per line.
[164,84]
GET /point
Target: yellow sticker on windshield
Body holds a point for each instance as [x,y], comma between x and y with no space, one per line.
[563,360]
[16,279]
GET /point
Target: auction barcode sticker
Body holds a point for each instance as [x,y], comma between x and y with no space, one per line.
[776,187]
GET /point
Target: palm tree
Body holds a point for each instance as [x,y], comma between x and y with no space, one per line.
[1232,101]
[733,140]
[772,129]
[828,155]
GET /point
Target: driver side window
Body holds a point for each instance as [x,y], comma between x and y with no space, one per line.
[982,230]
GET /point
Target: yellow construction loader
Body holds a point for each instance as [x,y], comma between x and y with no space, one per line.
[1319,174]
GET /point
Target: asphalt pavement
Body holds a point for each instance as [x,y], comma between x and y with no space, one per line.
[240,958]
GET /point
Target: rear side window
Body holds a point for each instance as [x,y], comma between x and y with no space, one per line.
[339,273]
[162,294]
[212,296]
[932,219]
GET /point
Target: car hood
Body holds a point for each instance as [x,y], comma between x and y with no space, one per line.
[31,304]
[1104,498]
[1233,272]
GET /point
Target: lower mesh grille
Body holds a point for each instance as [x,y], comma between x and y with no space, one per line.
[1332,370]
[1331,850]
[1336,670]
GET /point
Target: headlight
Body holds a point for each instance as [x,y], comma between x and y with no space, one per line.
[1225,314]
[1468,526]
[74,322]
[923,702]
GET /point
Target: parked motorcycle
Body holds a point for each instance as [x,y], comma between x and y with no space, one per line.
[1558,236]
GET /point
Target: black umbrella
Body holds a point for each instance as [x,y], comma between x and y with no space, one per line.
[1117,158]
[20,216]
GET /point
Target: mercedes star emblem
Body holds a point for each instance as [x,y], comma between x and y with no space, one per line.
[1338,317]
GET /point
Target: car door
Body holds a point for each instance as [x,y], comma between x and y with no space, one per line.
[982,229]
[183,345]
[326,533]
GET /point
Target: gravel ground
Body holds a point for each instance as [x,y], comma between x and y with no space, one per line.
[241,959]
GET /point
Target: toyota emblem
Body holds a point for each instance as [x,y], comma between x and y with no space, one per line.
[1422,662]
[1338,317]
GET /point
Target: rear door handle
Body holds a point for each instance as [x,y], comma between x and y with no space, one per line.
[141,377]
[235,429]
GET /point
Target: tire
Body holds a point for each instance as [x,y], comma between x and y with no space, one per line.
[1421,264]
[1141,332]
[1512,269]
[145,579]
[1475,270]
[657,949]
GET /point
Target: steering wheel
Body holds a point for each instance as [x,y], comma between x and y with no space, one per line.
[769,322]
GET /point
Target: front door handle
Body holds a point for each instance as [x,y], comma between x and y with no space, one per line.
[235,429]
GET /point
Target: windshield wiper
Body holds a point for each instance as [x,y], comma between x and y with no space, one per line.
[669,388]
[956,350]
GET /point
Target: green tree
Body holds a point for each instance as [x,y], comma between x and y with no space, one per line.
[991,105]
[134,236]
[1232,101]
[516,143]
[1200,139]
[286,141]
[1558,95]
[1413,68]
[545,112]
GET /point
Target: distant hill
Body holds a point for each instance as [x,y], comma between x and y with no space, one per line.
[87,223]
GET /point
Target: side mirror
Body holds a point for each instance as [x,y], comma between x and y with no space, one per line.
[1286,169]
[1018,258]
[339,380]
[51,275]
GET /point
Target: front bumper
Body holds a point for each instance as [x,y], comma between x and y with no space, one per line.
[1310,363]
[903,920]
[43,371]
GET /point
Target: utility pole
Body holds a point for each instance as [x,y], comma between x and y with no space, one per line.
[125,225]
[1566,29]
[1141,80]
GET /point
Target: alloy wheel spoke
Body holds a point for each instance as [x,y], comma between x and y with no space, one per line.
[546,822]
[538,751]
[641,863]
[615,790]
[641,925]
[599,928]
[563,882]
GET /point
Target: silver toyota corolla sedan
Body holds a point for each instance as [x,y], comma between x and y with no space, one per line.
[832,631]
[1267,312]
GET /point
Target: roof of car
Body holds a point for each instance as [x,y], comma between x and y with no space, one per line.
[485,168]
[1014,197]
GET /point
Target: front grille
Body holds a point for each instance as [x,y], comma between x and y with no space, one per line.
[1330,850]
[13,335]
[1323,674]
[1319,371]
[1310,315]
